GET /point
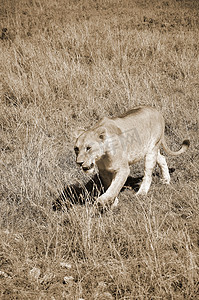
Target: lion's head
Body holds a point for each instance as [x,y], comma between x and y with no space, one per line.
[89,148]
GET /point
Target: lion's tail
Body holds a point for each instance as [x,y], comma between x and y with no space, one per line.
[185,146]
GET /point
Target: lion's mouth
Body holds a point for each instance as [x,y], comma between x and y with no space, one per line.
[85,169]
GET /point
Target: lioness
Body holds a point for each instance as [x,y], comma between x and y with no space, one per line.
[113,144]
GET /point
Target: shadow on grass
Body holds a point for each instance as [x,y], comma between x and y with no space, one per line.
[76,194]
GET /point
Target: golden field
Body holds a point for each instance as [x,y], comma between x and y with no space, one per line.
[64,65]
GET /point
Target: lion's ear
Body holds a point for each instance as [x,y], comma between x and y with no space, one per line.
[78,132]
[102,133]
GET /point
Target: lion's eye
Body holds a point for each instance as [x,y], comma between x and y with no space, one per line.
[88,148]
[76,149]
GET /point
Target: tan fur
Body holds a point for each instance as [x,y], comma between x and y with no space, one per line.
[113,144]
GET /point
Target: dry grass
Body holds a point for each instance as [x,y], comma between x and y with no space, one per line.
[64,65]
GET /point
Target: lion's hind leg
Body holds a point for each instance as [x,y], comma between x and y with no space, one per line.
[150,162]
[163,167]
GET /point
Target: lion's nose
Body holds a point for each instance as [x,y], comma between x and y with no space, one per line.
[80,163]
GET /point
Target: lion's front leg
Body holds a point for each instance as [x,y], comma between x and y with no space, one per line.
[113,185]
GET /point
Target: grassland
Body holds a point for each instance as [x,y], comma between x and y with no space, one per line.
[64,65]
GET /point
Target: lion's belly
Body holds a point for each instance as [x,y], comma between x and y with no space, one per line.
[136,153]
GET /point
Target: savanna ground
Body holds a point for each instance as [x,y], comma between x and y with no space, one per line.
[64,65]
